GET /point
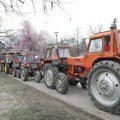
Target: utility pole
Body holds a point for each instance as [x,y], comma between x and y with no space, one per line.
[56,34]
[78,50]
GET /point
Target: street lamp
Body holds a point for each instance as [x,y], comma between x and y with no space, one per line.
[56,33]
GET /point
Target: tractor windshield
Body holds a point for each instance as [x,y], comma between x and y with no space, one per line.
[95,45]
[33,58]
[64,52]
[119,37]
[20,58]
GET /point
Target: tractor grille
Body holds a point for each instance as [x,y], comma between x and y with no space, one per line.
[34,66]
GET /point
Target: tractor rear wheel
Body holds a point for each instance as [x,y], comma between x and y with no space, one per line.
[61,83]
[10,71]
[104,86]
[0,68]
[24,74]
[3,68]
[49,75]
[38,76]
[18,74]
[14,72]
[7,68]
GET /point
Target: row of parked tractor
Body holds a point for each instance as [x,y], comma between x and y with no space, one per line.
[100,66]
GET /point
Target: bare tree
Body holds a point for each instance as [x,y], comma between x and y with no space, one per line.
[15,5]
[75,44]
[93,30]
[11,41]
[45,40]
[5,33]
[2,46]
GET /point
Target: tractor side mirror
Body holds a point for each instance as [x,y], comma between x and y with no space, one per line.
[42,57]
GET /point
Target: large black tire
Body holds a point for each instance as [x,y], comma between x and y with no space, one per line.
[1,68]
[104,86]
[10,71]
[38,76]
[18,75]
[6,68]
[24,74]
[49,75]
[14,71]
[61,83]
[73,82]
[84,85]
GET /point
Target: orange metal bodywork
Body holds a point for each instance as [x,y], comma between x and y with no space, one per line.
[86,62]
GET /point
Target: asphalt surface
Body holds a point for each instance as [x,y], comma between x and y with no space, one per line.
[75,96]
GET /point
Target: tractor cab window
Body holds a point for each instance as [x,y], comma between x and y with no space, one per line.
[107,43]
[119,37]
[64,52]
[95,45]
[20,57]
[25,59]
[53,51]
[48,53]
[34,58]
[29,58]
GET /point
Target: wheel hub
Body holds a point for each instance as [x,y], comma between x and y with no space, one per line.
[49,76]
[59,83]
[106,86]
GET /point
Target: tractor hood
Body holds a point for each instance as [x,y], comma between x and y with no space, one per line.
[76,60]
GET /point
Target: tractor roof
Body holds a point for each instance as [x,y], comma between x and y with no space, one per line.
[9,53]
[58,46]
[100,34]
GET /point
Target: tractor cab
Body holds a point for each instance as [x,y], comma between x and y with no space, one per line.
[2,62]
[14,66]
[30,64]
[17,58]
[57,54]
[31,58]
[102,46]
[8,61]
[9,57]
[2,58]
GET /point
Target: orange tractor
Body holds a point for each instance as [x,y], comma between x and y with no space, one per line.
[101,67]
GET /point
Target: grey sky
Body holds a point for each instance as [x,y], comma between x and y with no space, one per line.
[83,13]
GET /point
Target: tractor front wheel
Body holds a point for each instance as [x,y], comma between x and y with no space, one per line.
[38,76]
[61,83]
[49,75]
[104,86]
[24,74]
[6,68]
[0,68]
[18,75]
[14,72]
[10,71]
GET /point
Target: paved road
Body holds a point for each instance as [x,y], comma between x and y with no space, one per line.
[76,96]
